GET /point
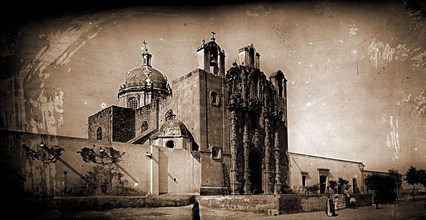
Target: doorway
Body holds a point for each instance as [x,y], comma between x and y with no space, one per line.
[323,184]
[255,166]
[354,185]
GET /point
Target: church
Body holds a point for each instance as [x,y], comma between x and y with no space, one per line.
[232,121]
[213,131]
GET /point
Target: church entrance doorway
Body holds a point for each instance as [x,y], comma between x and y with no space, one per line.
[255,166]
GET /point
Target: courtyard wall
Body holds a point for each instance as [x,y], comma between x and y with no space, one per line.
[31,171]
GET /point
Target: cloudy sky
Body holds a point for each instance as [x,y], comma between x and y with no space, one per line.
[355,70]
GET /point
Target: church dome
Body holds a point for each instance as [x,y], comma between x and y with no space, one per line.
[174,128]
[145,78]
[139,76]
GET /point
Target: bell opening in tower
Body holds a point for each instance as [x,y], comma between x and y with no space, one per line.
[213,56]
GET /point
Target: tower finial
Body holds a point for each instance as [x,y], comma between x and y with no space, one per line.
[146,57]
[213,37]
[145,43]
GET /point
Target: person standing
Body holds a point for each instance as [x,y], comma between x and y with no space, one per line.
[329,206]
[352,202]
[331,201]
[335,201]
[332,207]
[376,199]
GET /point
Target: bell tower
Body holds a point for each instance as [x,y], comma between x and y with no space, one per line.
[249,57]
[211,58]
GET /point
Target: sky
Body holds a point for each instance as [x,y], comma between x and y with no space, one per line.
[355,70]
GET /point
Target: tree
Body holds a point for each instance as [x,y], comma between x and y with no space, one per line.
[313,189]
[422,177]
[412,177]
[397,178]
[383,185]
[380,182]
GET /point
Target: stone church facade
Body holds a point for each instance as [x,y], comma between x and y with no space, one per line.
[233,121]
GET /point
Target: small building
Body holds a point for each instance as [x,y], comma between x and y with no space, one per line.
[308,170]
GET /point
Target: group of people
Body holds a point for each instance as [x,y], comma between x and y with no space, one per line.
[331,204]
[332,199]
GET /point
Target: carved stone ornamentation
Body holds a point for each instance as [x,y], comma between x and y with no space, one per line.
[255,117]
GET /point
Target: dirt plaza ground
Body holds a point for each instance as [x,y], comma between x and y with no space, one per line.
[402,209]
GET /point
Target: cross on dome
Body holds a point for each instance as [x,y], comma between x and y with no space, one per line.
[145,43]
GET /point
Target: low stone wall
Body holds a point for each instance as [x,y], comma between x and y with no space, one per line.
[110,202]
[312,204]
[284,204]
[296,203]
[250,203]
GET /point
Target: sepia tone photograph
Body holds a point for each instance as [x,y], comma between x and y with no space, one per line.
[221,110]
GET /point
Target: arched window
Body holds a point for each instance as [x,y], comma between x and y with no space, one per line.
[214,98]
[280,85]
[170,144]
[132,103]
[99,134]
[251,57]
[144,126]
[280,78]
[253,87]
[216,152]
